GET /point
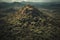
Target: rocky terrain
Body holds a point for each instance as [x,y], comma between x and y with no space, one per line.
[29,23]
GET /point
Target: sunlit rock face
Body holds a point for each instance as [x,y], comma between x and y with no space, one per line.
[29,23]
[30,10]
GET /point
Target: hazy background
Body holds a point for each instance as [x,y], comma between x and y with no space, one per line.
[30,0]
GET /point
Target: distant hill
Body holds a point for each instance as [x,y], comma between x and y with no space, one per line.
[36,4]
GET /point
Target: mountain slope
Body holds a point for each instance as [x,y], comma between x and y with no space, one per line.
[29,24]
